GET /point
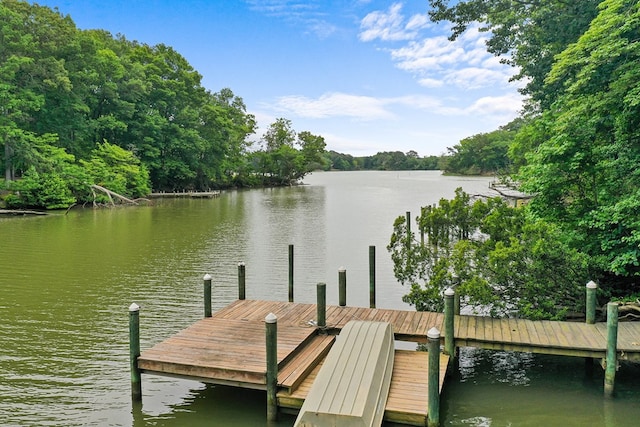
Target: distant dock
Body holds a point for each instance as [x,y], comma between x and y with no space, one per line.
[185,194]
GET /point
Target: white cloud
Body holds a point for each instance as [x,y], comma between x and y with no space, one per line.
[334,105]
[389,25]
[431,83]
[366,108]
[506,105]
[475,78]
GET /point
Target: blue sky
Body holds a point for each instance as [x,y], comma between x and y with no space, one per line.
[366,75]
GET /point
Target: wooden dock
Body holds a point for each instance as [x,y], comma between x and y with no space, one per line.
[546,336]
[185,194]
[229,348]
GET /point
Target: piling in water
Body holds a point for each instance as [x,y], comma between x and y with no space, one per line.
[449,340]
[271,326]
[433,343]
[134,351]
[342,286]
[242,286]
[408,229]
[612,344]
[207,295]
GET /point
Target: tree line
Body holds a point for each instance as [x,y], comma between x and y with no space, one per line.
[575,148]
[84,107]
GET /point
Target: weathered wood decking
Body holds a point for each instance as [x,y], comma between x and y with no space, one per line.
[229,348]
[545,336]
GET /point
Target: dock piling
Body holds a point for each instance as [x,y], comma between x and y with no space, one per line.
[408,229]
[207,295]
[372,276]
[242,285]
[433,343]
[449,340]
[290,273]
[134,351]
[342,286]
[591,302]
[612,344]
[271,326]
[322,304]
[590,314]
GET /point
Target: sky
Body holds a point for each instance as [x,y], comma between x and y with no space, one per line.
[367,75]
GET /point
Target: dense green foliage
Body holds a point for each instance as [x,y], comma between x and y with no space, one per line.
[82,107]
[576,149]
[499,260]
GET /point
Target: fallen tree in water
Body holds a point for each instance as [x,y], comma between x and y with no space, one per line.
[112,194]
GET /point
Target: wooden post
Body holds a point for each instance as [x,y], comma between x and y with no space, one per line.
[242,281]
[271,323]
[449,339]
[612,346]
[372,276]
[322,304]
[433,338]
[342,286]
[421,227]
[408,229]
[134,351]
[207,295]
[290,273]
[591,302]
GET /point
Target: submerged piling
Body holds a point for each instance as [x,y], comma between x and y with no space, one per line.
[134,351]
[207,295]
[271,327]
[433,343]
[612,344]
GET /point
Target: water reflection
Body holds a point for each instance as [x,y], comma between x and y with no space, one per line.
[498,388]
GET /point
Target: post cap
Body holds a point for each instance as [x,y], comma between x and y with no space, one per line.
[592,285]
[449,292]
[433,333]
[342,270]
[271,318]
[207,277]
[134,307]
[241,264]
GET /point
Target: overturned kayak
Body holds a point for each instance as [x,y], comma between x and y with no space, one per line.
[352,386]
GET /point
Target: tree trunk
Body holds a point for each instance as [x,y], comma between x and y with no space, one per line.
[8,170]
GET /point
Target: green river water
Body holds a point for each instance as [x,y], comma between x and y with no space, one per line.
[66,282]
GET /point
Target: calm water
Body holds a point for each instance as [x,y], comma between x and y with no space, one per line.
[66,282]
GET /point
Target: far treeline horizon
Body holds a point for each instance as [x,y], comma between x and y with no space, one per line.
[82,108]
